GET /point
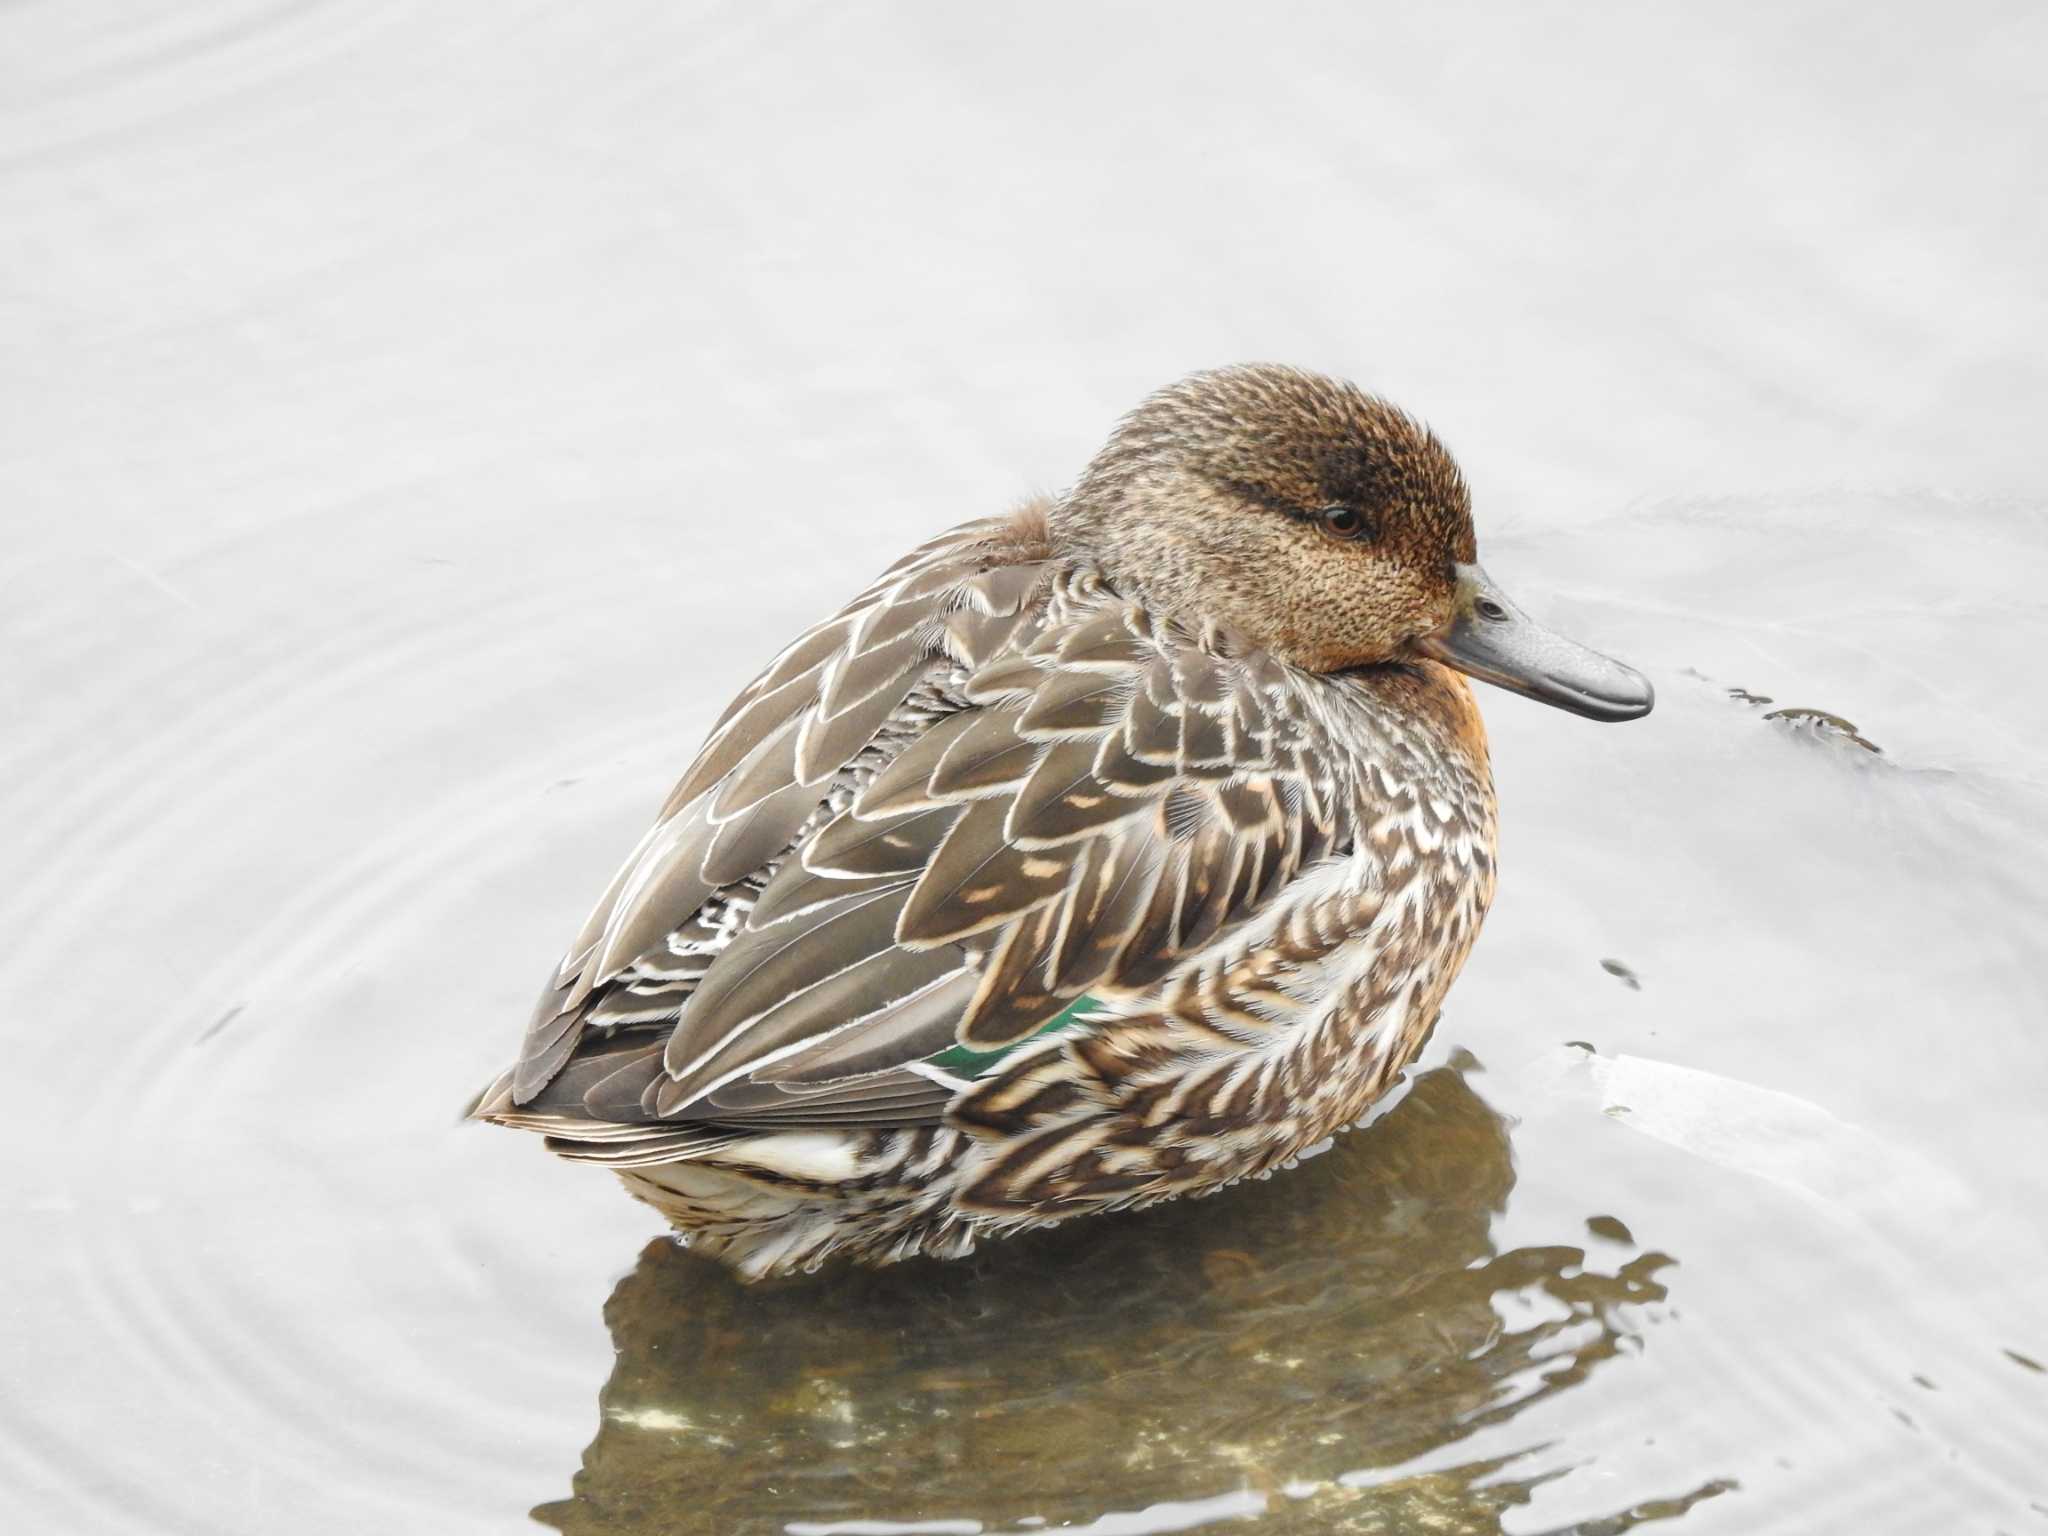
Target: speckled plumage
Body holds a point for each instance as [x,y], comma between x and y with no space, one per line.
[1081,763]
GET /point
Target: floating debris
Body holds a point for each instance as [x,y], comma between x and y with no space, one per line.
[1613,1228]
[1623,974]
[1817,722]
[1822,723]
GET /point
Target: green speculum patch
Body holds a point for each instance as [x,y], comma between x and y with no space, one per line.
[962,1062]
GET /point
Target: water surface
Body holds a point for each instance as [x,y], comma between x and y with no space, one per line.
[418,426]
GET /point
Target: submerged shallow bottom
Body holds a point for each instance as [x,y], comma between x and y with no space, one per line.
[1284,1349]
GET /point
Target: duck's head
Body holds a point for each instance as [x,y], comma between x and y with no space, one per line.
[1323,525]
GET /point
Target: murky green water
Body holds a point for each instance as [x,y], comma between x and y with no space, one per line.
[418,424]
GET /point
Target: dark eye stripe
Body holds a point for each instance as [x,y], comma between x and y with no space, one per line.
[1337,519]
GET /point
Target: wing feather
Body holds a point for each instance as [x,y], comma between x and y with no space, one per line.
[852,848]
[765,967]
[902,785]
[671,878]
[739,735]
[1106,797]
[920,1025]
[1064,802]
[988,756]
[977,880]
[769,764]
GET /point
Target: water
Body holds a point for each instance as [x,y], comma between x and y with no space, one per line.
[405,418]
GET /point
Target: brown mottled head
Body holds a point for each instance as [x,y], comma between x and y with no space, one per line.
[1321,524]
[1314,519]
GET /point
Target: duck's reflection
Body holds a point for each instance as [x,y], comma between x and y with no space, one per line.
[1351,1314]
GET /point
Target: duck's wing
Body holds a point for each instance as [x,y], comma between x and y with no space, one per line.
[1108,797]
[777,760]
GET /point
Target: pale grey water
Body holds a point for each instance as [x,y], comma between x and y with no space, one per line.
[416,421]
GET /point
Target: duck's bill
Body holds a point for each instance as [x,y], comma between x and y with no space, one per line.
[1489,638]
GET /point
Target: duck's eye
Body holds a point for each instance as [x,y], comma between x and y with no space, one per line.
[1346,523]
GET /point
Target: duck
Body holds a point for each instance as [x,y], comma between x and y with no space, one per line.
[1120,848]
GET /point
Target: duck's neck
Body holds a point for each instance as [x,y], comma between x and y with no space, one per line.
[1148,559]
